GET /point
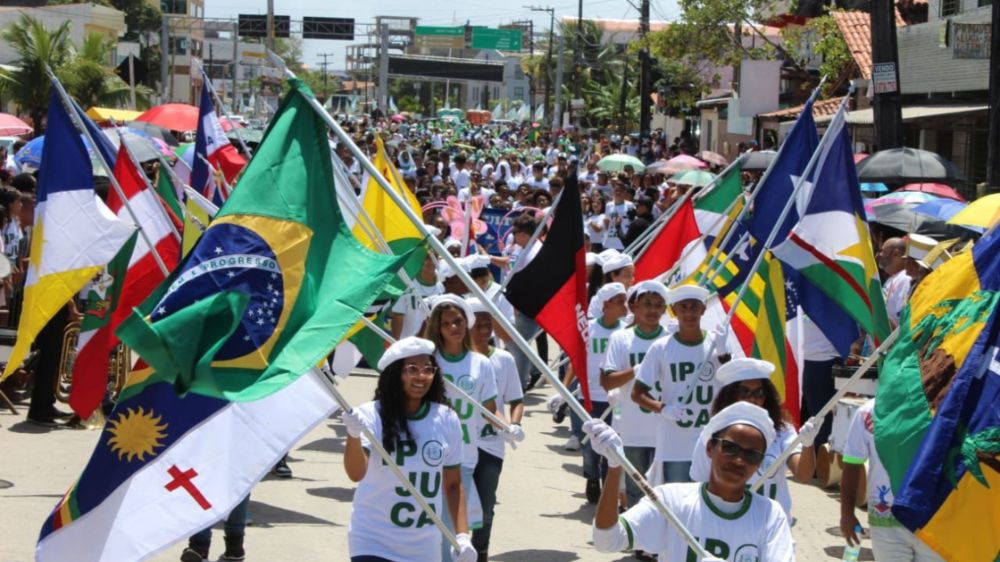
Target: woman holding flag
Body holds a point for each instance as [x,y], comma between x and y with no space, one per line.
[410,415]
[748,380]
[449,328]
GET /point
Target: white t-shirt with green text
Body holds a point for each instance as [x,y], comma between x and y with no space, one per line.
[385,520]
[508,392]
[598,337]
[668,370]
[409,305]
[627,348]
[473,373]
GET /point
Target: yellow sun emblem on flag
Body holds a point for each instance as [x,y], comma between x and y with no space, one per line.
[135,434]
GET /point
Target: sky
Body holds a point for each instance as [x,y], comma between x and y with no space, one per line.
[489,13]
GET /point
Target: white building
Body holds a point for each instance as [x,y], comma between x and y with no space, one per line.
[515,85]
[84,19]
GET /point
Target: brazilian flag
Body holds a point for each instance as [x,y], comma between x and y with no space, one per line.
[275,281]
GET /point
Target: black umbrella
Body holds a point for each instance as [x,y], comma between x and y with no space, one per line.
[154,131]
[908,165]
[758,160]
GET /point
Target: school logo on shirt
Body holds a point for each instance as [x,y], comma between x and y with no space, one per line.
[466,383]
[721,549]
[432,453]
[747,553]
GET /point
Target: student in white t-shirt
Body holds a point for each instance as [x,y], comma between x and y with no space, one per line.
[626,351]
[411,418]
[890,539]
[491,440]
[408,312]
[673,382]
[728,522]
[748,380]
[448,327]
[606,310]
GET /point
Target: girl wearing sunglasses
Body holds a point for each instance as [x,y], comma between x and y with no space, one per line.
[748,380]
[727,520]
[411,417]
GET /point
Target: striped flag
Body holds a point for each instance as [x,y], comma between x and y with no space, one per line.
[144,274]
[75,235]
[212,145]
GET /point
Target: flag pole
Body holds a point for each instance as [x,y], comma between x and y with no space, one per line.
[493,418]
[376,444]
[760,183]
[519,341]
[71,111]
[827,408]
[138,168]
[218,100]
[701,238]
[801,181]
[713,271]
[222,184]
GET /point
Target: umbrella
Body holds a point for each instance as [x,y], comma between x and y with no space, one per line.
[905,165]
[173,116]
[398,118]
[154,131]
[874,187]
[984,212]
[250,136]
[617,163]
[941,209]
[229,125]
[31,154]
[11,126]
[696,178]
[713,158]
[915,197]
[757,161]
[859,156]
[144,148]
[939,189]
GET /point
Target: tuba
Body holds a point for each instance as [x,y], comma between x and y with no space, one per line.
[119,364]
[67,358]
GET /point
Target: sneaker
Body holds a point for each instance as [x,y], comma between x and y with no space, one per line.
[560,414]
[533,380]
[61,415]
[572,444]
[643,555]
[282,470]
[593,490]
[234,549]
[192,555]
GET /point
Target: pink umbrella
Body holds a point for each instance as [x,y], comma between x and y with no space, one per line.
[860,156]
[11,126]
[713,158]
[939,189]
[676,165]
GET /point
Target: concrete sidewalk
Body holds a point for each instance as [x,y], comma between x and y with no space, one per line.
[542,514]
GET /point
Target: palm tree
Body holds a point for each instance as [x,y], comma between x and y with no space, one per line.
[37,48]
[89,81]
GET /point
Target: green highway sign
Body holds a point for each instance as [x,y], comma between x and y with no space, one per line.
[499,39]
[439,31]
[436,37]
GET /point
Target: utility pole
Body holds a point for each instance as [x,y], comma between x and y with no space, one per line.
[622,102]
[645,87]
[270,25]
[993,143]
[164,53]
[557,112]
[324,65]
[578,47]
[548,61]
[888,113]
[236,66]
[383,70]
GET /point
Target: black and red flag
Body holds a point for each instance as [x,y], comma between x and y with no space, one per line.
[552,288]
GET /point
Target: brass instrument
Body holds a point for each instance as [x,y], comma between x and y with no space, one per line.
[119,364]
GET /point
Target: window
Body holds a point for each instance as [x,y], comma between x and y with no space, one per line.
[984,3]
[950,7]
[174,6]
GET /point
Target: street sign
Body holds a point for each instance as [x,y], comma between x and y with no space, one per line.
[437,37]
[254,25]
[328,28]
[884,78]
[499,39]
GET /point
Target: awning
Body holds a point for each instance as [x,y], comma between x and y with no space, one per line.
[106,114]
[910,113]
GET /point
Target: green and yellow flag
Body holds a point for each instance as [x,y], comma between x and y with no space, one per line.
[275,281]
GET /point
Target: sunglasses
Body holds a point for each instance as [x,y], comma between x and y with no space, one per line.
[730,449]
[414,370]
[756,393]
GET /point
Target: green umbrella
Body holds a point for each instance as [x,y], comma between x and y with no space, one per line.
[696,178]
[617,163]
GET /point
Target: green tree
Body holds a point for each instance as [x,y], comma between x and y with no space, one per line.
[91,81]
[827,41]
[37,48]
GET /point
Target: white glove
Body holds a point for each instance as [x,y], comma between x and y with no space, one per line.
[614,397]
[514,433]
[808,432]
[603,439]
[710,558]
[353,422]
[678,413]
[465,552]
[554,403]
